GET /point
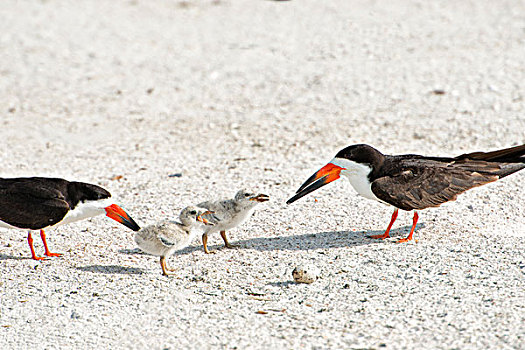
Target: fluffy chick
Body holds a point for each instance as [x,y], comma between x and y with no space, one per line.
[229,213]
[165,237]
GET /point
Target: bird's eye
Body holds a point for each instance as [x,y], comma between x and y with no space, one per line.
[193,212]
[246,195]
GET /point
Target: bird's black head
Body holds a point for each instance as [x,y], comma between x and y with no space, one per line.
[82,192]
[349,160]
[361,153]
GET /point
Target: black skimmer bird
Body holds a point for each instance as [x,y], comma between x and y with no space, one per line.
[36,203]
[413,182]
[230,213]
[165,237]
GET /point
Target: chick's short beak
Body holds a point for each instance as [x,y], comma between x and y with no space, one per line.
[202,219]
[260,198]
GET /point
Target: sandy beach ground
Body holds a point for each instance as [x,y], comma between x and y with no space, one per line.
[260,94]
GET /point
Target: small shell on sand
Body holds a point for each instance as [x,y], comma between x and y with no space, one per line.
[305,273]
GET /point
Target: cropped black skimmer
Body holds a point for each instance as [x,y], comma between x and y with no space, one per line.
[413,182]
[35,203]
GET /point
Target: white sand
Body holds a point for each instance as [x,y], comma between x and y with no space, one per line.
[260,94]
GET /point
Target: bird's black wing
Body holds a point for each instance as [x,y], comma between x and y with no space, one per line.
[420,184]
[30,204]
[514,154]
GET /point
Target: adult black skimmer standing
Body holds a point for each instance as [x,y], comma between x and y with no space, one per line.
[35,203]
[413,182]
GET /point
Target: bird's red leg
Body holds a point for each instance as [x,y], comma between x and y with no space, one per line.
[30,241]
[409,238]
[386,234]
[47,252]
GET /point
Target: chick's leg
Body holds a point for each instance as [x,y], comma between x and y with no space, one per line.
[226,243]
[164,267]
[205,243]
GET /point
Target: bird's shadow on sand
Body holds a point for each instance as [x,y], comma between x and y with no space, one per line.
[281,284]
[320,240]
[12,257]
[111,269]
[135,251]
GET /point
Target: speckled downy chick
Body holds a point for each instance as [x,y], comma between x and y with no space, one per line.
[230,213]
[164,238]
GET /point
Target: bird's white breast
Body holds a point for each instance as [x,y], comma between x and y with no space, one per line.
[85,210]
[357,174]
[6,225]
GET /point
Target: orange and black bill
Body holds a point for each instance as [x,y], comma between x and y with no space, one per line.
[260,198]
[209,214]
[118,214]
[330,172]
